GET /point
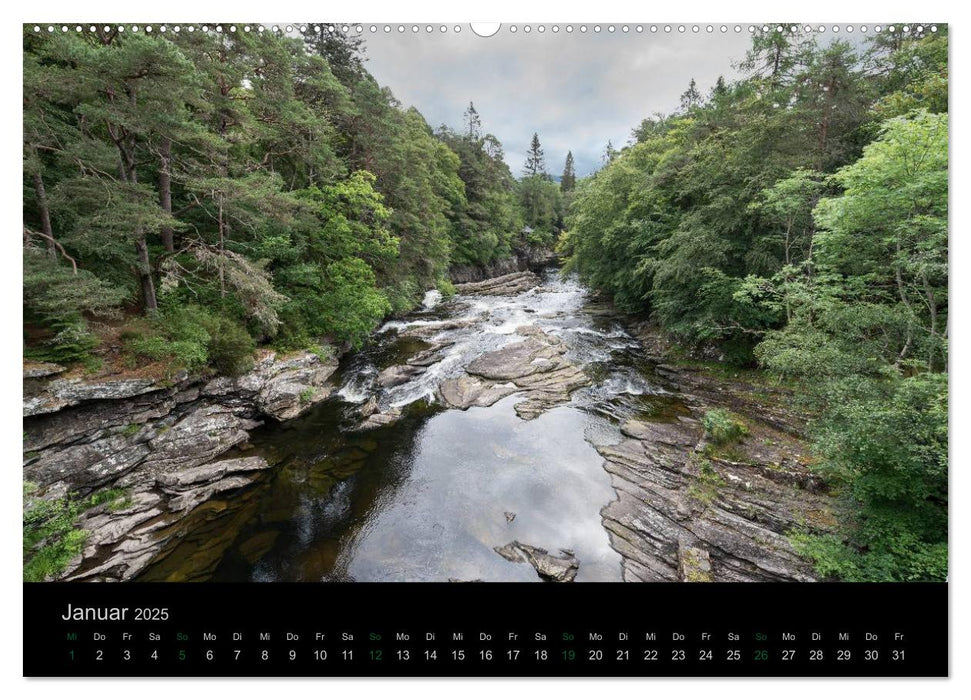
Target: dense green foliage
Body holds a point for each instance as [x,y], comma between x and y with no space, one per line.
[540,199]
[192,337]
[886,441]
[723,427]
[238,187]
[798,217]
[487,225]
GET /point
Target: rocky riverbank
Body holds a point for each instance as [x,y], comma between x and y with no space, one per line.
[523,260]
[158,441]
[688,510]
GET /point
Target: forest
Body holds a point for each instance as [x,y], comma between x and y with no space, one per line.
[797,219]
[191,196]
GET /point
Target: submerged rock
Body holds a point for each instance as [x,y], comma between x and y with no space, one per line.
[561,569]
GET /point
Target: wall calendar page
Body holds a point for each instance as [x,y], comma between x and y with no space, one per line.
[496,350]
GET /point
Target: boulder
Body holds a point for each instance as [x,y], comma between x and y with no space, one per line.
[559,569]
[466,391]
[396,375]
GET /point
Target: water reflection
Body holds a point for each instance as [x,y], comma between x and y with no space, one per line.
[481,479]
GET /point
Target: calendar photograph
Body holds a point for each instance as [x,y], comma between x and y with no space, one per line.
[353,303]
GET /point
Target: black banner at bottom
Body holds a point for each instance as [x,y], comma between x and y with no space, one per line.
[485,629]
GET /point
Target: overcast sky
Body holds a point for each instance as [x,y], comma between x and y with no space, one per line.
[575,90]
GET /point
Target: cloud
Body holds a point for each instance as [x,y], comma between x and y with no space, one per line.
[577,91]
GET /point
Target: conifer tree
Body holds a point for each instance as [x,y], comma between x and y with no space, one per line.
[535,161]
[690,97]
[569,179]
[473,124]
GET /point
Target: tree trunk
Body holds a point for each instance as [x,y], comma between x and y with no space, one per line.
[145,276]
[45,214]
[824,127]
[901,290]
[165,192]
[222,250]
[932,309]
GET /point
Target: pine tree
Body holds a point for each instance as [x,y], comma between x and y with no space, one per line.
[691,97]
[775,56]
[344,52]
[535,162]
[473,124]
[609,153]
[569,179]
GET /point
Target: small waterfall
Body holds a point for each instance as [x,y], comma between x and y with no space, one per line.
[433,298]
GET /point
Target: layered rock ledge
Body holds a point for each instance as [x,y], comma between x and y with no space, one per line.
[687,512]
[506,285]
[535,367]
[161,442]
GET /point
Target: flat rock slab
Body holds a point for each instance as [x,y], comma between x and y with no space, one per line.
[36,370]
[518,360]
[534,366]
[207,473]
[674,434]
[466,391]
[428,330]
[429,356]
[62,393]
[379,420]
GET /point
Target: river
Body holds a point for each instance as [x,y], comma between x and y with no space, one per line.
[431,497]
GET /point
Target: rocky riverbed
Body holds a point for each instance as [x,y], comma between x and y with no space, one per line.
[519,431]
